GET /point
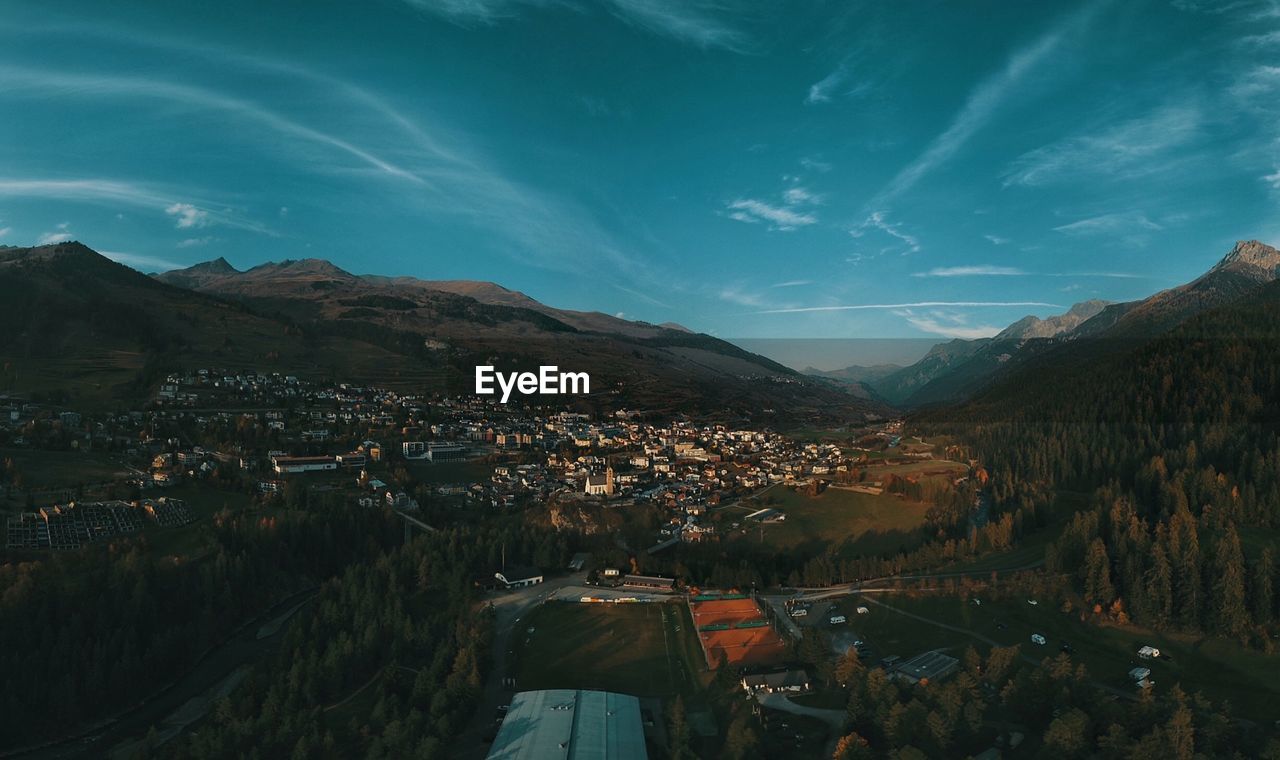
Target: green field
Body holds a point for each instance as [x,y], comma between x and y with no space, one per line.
[858,522]
[647,650]
[62,469]
[451,473]
[1219,668]
[952,469]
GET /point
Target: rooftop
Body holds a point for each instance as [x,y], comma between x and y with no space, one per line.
[567,724]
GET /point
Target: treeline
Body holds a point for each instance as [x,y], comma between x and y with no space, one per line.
[1054,704]
[84,634]
[1169,573]
[1178,438]
[403,632]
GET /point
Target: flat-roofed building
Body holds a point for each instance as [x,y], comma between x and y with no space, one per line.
[518,577]
[923,668]
[445,452]
[284,465]
[649,581]
[571,724]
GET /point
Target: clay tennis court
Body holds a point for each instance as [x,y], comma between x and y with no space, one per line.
[753,645]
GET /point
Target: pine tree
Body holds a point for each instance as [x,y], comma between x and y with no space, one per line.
[1262,589]
[1184,556]
[1159,588]
[1230,614]
[1097,574]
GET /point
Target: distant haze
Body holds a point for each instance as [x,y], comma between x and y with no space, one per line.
[838,353]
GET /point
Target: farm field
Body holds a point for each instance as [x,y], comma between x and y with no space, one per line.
[855,522]
[644,649]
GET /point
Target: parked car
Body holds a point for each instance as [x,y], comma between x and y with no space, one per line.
[1037,639]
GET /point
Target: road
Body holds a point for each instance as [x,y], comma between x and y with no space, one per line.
[509,609]
[835,719]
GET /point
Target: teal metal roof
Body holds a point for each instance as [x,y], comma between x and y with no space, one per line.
[568,724]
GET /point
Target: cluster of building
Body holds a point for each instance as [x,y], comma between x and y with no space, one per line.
[265,428]
[70,526]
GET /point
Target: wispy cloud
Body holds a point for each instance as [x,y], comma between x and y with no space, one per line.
[545,230]
[948,325]
[698,22]
[820,91]
[1273,179]
[736,295]
[1258,81]
[61,235]
[642,296]
[791,283]
[912,305]
[779,217]
[51,83]
[797,196]
[983,102]
[816,164]
[877,220]
[695,21]
[1133,148]
[1127,221]
[971,271]
[187,215]
[141,262]
[194,242]
[4,231]
[116,192]
[997,240]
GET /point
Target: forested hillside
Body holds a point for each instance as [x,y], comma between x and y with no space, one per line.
[1178,440]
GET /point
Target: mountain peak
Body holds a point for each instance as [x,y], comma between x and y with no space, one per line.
[1253,258]
[217,266]
[304,266]
[1034,327]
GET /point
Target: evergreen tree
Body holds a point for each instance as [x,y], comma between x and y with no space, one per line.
[1097,574]
[1262,589]
[1230,615]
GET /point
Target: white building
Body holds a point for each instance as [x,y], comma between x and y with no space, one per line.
[600,485]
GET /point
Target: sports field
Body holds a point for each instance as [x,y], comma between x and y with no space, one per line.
[643,649]
[719,625]
[856,522]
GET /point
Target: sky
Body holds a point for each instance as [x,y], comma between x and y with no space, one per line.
[848,169]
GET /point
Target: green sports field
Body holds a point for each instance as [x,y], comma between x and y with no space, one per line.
[858,522]
[644,649]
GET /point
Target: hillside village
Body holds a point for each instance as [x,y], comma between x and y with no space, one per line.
[370,446]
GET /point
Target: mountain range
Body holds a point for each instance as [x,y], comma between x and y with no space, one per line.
[958,369]
[93,330]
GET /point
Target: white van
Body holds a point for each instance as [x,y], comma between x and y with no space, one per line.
[1037,639]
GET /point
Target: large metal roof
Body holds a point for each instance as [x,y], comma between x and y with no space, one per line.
[568,724]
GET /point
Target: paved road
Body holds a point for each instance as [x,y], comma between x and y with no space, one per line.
[835,719]
[883,583]
[509,607]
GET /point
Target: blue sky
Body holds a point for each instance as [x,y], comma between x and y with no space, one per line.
[804,169]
